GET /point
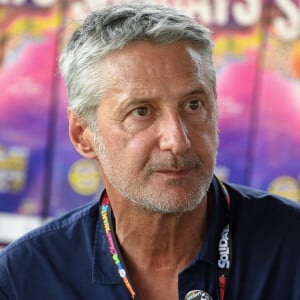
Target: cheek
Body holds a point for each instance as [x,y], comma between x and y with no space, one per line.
[140,146]
[132,149]
[206,139]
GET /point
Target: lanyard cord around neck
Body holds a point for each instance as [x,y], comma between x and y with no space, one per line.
[224,247]
[106,214]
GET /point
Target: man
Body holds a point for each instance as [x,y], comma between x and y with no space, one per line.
[142,91]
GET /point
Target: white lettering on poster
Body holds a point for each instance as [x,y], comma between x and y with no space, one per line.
[287,27]
[248,13]
[204,11]
[244,13]
[221,12]
[44,3]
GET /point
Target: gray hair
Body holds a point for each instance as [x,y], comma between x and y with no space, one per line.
[112,28]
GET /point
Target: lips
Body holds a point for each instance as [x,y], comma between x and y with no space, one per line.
[179,172]
[176,166]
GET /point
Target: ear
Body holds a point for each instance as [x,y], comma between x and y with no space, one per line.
[81,135]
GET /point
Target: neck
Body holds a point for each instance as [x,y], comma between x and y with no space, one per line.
[155,241]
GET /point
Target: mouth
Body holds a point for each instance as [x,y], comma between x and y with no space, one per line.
[175,167]
[175,172]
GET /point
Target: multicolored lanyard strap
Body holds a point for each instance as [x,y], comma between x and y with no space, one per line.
[225,246]
[114,250]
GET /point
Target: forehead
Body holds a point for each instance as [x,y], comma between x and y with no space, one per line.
[143,65]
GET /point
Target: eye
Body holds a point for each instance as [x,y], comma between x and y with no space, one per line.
[142,111]
[193,105]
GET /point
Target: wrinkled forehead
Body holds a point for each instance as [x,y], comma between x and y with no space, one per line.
[143,59]
[140,48]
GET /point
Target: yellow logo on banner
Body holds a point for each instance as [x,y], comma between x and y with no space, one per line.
[84,177]
[286,186]
[13,168]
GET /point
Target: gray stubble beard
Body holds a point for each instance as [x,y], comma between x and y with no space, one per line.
[156,201]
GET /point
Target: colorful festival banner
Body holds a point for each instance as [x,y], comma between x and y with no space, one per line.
[257,56]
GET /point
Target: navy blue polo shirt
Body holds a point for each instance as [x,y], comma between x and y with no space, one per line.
[68,258]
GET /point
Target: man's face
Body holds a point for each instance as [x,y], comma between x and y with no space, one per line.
[157,130]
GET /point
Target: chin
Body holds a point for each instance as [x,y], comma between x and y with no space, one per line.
[171,205]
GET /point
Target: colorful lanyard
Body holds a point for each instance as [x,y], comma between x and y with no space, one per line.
[225,248]
[114,250]
[225,242]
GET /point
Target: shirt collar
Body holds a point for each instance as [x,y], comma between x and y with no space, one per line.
[217,219]
[104,269]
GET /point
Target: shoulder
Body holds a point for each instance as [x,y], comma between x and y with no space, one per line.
[49,250]
[250,196]
[265,229]
[56,229]
[264,212]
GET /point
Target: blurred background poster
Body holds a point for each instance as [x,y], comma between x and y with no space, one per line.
[257,55]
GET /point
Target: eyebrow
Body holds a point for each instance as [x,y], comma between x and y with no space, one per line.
[196,91]
[132,101]
[136,101]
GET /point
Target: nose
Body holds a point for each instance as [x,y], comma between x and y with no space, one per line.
[174,135]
